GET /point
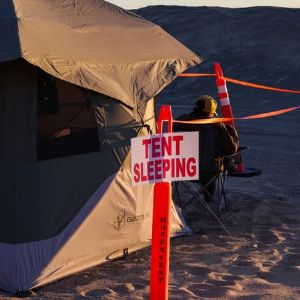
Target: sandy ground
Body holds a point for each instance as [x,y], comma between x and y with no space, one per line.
[261,257]
[259,260]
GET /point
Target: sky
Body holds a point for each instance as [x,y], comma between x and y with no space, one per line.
[131,4]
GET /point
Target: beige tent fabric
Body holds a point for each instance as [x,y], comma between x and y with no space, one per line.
[110,222]
[97,45]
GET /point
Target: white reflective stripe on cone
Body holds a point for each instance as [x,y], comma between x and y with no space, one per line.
[224,101]
[222,89]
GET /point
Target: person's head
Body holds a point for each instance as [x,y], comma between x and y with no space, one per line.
[205,106]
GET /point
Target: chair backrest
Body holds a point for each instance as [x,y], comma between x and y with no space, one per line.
[209,145]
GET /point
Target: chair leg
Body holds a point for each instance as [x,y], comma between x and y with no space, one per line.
[223,198]
[195,196]
[209,189]
[177,194]
[177,197]
[220,197]
[206,205]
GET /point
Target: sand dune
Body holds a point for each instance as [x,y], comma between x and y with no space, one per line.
[261,257]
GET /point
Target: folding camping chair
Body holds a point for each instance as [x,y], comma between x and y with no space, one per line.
[224,166]
[219,197]
[225,169]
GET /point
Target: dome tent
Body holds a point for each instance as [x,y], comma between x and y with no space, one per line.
[77,81]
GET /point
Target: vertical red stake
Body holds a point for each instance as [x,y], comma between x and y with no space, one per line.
[226,107]
[159,277]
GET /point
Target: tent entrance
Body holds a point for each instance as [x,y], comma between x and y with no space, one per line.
[66,122]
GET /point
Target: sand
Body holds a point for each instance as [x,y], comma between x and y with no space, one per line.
[259,260]
[261,257]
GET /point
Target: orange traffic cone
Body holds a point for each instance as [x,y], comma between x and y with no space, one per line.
[239,167]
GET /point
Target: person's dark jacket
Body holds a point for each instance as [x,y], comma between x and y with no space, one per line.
[215,140]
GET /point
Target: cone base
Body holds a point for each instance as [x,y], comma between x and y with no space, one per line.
[247,172]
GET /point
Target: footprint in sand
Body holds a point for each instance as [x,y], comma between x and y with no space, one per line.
[198,270]
[207,290]
[101,293]
[242,265]
[124,289]
[223,280]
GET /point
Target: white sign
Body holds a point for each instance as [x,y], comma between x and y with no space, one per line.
[165,157]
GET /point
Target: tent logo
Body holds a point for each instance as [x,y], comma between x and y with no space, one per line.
[120,220]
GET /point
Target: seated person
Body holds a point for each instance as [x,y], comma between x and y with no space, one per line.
[215,140]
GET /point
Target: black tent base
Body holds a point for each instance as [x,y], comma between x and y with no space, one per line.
[248,172]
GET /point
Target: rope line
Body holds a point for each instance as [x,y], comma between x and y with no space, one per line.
[240,82]
[251,117]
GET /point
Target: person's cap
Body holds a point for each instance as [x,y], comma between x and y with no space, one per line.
[206,104]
